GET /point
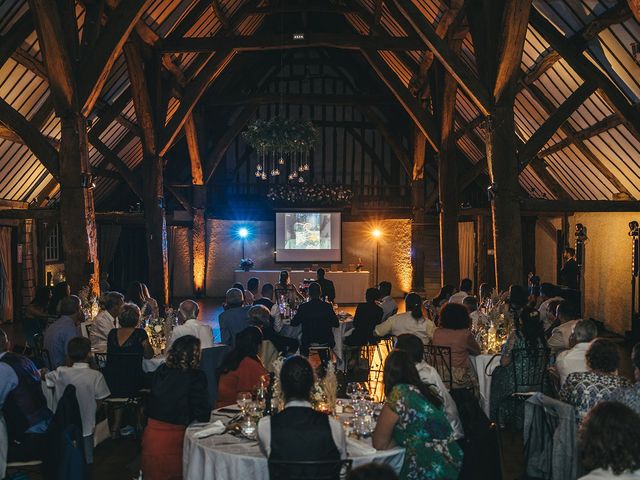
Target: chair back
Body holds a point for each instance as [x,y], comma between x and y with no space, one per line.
[311,470]
[123,373]
[529,368]
[439,357]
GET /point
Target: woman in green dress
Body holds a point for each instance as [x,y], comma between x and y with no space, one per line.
[413,418]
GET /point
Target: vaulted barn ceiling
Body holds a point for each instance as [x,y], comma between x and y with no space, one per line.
[576,115]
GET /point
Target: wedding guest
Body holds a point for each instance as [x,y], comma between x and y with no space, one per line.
[560,335]
[106,320]
[466,289]
[90,386]
[575,360]
[454,332]
[260,317]
[178,397]
[57,336]
[240,287]
[552,320]
[368,316]
[36,314]
[135,294]
[317,319]
[235,317]
[584,390]
[251,293]
[610,443]
[413,418]
[150,307]
[388,304]
[190,325]
[284,288]
[433,307]
[60,291]
[412,321]
[129,338]
[477,317]
[547,295]
[300,433]
[430,377]
[631,396]
[105,286]
[328,290]
[517,300]
[241,369]
[484,292]
[569,272]
[266,296]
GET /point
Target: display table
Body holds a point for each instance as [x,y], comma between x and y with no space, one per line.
[350,286]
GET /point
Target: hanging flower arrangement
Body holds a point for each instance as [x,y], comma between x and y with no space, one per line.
[310,194]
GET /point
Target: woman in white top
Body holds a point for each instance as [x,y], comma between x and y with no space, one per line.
[412,321]
[610,442]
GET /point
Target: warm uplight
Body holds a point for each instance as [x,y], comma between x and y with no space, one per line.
[376,233]
[243,232]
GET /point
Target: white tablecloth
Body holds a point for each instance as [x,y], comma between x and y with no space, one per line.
[225,457]
[479,363]
[350,286]
[151,364]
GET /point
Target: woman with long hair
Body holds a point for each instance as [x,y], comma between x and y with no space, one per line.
[178,397]
[434,305]
[413,417]
[135,294]
[412,321]
[284,288]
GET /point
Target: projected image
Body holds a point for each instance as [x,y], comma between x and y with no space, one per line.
[307,231]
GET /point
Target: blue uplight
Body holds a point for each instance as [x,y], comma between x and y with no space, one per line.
[243,232]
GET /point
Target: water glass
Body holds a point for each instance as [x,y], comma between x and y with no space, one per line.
[243,399]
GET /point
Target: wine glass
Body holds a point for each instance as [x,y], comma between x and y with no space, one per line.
[243,399]
[352,390]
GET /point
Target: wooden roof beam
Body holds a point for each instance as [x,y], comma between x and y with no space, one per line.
[13,39]
[191,136]
[110,156]
[607,123]
[300,99]
[222,16]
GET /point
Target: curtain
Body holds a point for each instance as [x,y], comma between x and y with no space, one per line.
[6,278]
[108,244]
[466,245]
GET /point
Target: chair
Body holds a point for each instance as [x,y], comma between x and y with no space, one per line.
[311,470]
[439,357]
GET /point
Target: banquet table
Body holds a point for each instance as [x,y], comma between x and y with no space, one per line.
[226,457]
[484,365]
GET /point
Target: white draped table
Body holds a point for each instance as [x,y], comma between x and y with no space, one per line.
[484,365]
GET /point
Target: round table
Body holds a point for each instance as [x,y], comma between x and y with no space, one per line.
[226,457]
[484,365]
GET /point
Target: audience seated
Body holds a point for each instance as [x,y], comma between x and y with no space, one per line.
[317,319]
[90,385]
[560,335]
[150,307]
[106,320]
[609,443]
[241,370]
[235,317]
[60,291]
[260,317]
[284,288]
[484,292]
[412,321]
[575,359]
[478,318]
[552,319]
[57,336]
[266,296]
[430,377]
[373,471]
[433,306]
[190,325]
[36,314]
[584,390]
[547,295]
[178,397]
[23,404]
[466,289]
[631,396]
[251,293]
[413,418]
[300,433]
[328,290]
[454,332]
[368,316]
[388,304]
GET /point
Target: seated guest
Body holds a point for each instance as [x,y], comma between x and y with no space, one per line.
[317,319]
[552,317]
[150,307]
[430,377]
[528,338]
[23,404]
[235,317]
[284,288]
[90,385]
[60,291]
[433,306]
[484,292]
[36,314]
[251,293]
[610,443]
[466,289]
[190,325]
[266,296]
[413,418]
[583,390]
[575,360]
[241,369]
[517,300]
[240,287]
[260,317]
[328,290]
[178,397]
[57,336]
[106,320]
[412,321]
[547,295]
[388,304]
[631,396]
[373,471]
[454,332]
[478,318]
[367,316]
[300,433]
[560,335]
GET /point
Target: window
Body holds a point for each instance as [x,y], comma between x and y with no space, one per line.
[52,247]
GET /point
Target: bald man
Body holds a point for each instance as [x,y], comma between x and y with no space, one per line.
[190,325]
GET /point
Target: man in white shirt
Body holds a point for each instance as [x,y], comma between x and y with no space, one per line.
[106,320]
[559,339]
[387,303]
[574,360]
[547,296]
[90,385]
[466,289]
[188,315]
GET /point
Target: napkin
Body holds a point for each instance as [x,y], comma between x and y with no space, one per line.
[356,447]
[215,428]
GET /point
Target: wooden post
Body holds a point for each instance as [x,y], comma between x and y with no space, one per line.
[482,274]
[418,219]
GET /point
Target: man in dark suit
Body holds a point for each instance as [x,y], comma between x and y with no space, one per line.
[317,319]
[328,290]
[569,272]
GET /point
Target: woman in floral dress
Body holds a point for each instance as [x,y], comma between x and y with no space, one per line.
[413,418]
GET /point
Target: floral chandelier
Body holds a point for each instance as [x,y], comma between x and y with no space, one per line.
[280,141]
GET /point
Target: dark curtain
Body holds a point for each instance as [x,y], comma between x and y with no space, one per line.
[109,237]
[130,262]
